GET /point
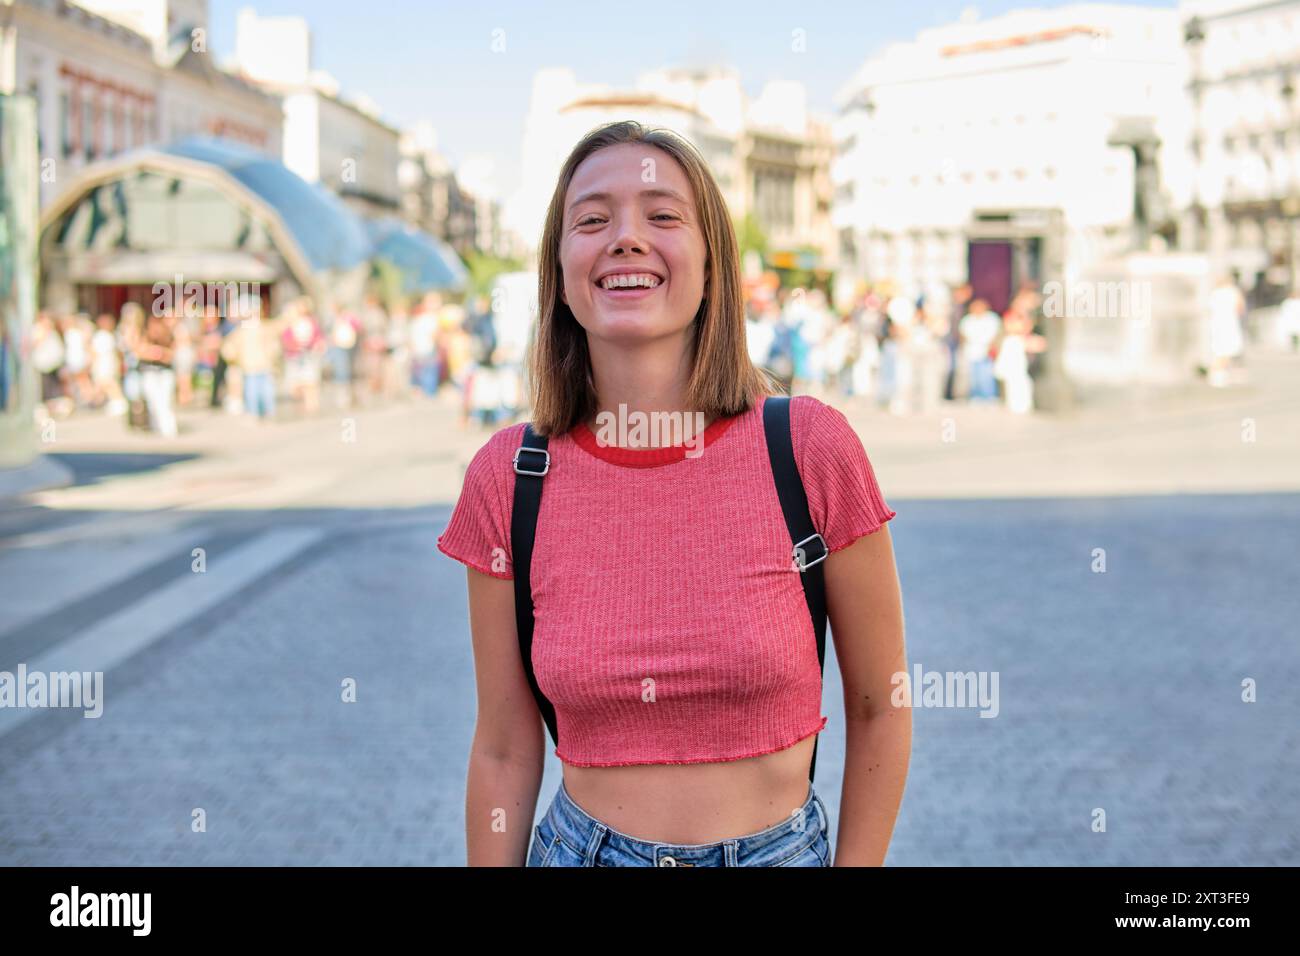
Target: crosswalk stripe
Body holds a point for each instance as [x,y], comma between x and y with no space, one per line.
[132,629]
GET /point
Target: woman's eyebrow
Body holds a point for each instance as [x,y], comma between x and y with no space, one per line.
[654,192]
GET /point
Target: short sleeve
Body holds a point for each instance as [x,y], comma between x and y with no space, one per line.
[478,533]
[844,500]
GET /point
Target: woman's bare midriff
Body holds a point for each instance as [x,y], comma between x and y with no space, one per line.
[696,802]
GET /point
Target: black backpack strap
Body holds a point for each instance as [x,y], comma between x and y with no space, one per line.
[809,548]
[531,462]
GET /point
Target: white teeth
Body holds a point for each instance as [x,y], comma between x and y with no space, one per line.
[630,281]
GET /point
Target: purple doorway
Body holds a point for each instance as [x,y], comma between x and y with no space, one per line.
[989,266]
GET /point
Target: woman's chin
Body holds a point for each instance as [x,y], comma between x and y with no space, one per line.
[630,325]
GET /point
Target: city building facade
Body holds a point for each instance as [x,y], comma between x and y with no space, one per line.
[1019,149]
[769,155]
[439,200]
[1242,205]
[338,142]
[109,76]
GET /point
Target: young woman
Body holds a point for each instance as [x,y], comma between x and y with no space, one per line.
[672,635]
[156,352]
[303,344]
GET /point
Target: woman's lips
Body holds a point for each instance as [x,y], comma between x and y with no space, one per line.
[631,292]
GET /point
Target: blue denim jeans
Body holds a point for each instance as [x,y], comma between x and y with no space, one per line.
[982,382]
[424,374]
[259,394]
[340,361]
[568,836]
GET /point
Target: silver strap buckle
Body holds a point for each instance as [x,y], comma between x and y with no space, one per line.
[546,465]
[800,556]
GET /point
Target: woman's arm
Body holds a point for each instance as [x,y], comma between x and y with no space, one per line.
[865,609]
[508,752]
[153,351]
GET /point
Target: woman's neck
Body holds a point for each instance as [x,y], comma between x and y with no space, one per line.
[642,379]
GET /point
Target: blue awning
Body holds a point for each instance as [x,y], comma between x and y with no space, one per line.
[330,235]
[321,239]
[425,262]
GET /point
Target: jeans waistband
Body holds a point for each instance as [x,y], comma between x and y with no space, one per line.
[581,830]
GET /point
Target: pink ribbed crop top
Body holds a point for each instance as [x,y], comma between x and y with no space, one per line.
[670,624]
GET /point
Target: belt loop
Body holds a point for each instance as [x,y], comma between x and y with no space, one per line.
[731,853]
[594,841]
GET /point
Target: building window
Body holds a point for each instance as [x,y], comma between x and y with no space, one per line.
[88,126]
[848,248]
[34,91]
[65,123]
[774,198]
[108,123]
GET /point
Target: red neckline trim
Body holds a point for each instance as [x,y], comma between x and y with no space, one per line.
[584,437]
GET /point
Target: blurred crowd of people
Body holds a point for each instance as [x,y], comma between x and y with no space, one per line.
[907,352]
[143,365]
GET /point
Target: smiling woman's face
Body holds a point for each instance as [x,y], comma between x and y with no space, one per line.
[617,223]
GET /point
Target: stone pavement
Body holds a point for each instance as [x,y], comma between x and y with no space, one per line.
[1118,690]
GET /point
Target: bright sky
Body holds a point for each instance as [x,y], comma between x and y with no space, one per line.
[432,59]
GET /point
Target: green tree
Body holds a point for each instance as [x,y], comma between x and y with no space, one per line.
[386,283]
[750,236]
[484,268]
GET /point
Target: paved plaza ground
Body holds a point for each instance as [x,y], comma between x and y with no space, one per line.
[1119,690]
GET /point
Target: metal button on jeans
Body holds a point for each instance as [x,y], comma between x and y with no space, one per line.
[667,861]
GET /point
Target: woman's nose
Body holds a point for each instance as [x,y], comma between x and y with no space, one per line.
[626,240]
[628,245]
